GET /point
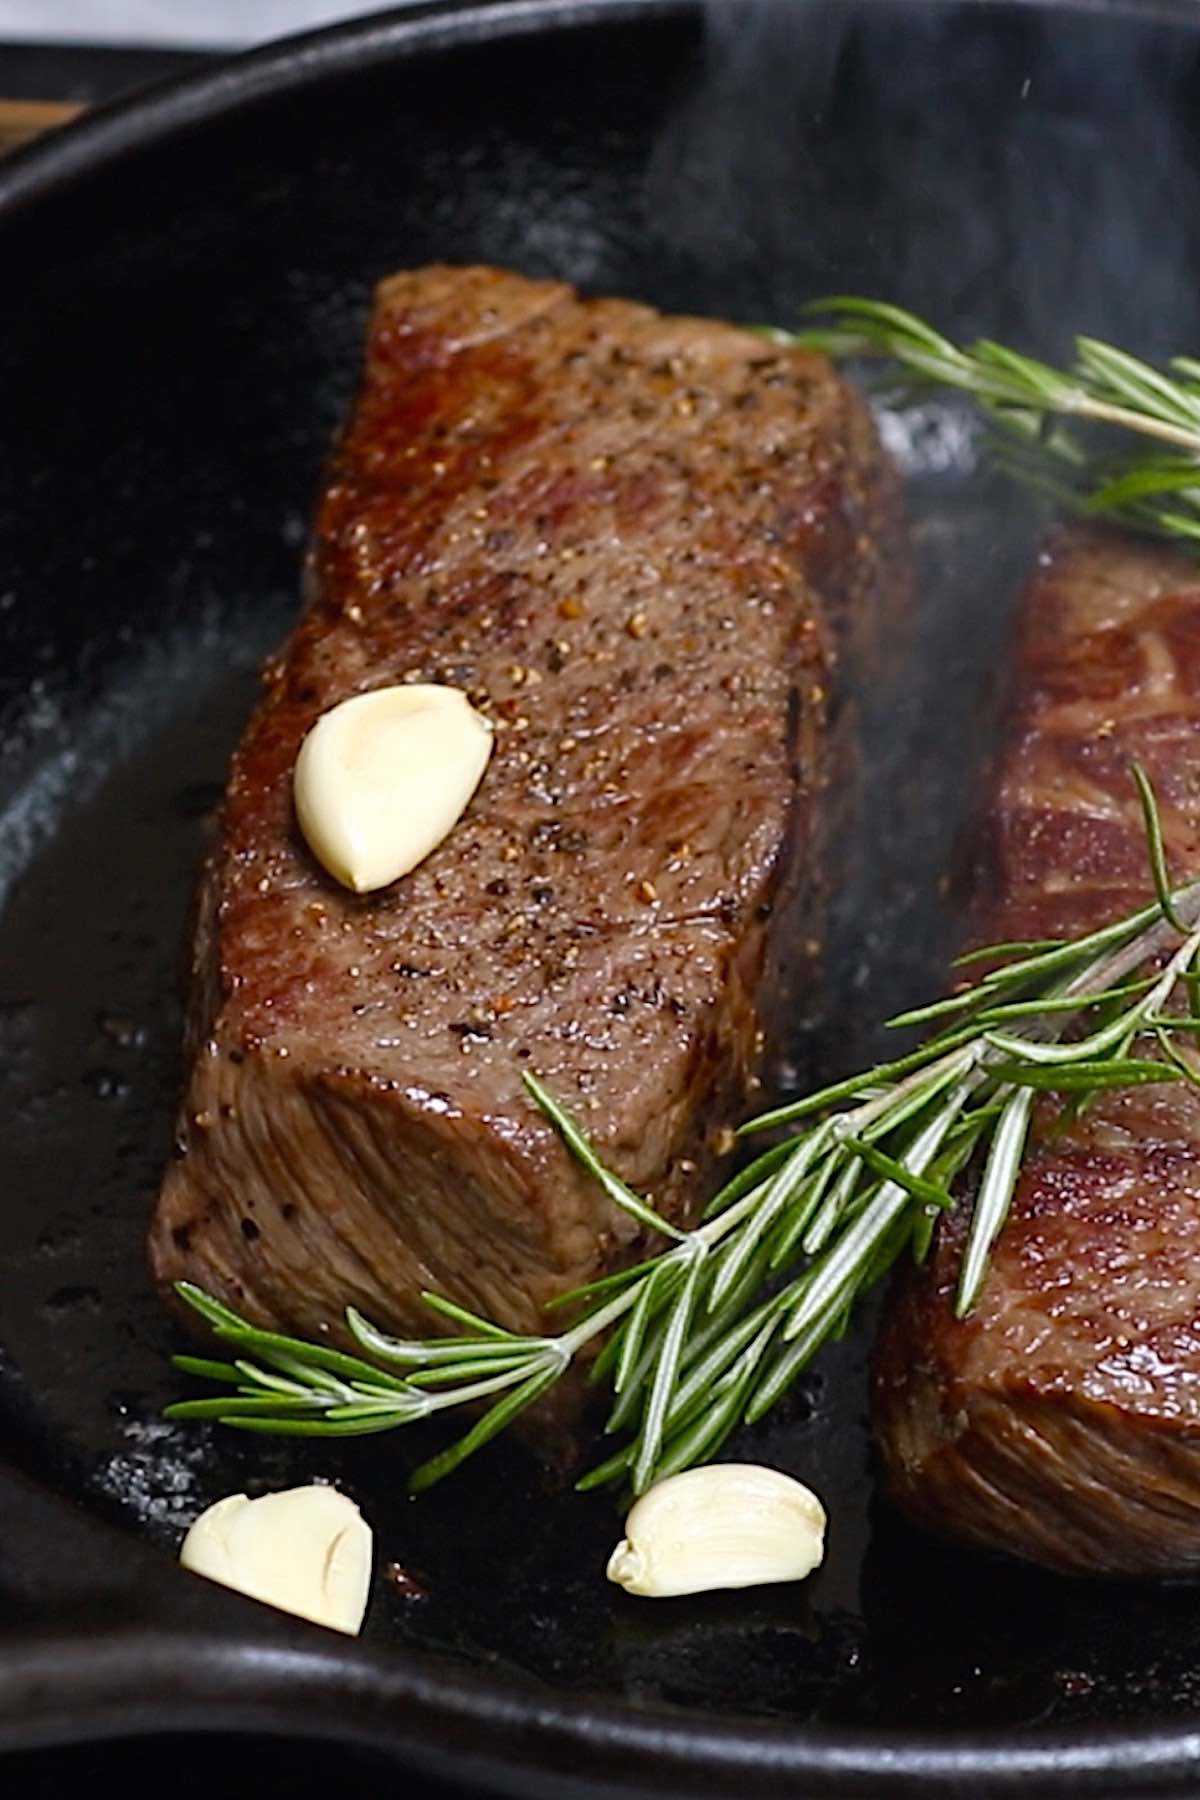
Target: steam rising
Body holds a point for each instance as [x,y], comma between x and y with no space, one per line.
[1084,150]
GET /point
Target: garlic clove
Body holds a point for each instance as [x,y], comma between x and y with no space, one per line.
[725,1525]
[382,779]
[306,1551]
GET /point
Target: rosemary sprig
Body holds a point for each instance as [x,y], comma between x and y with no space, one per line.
[1059,430]
[713,1329]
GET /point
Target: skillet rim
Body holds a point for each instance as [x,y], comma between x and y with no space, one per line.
[230,83]
[238,1670]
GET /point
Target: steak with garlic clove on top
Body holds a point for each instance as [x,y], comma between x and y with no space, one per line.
[653,551]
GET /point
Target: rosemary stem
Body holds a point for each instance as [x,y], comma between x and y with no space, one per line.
[826,1288]
[931,1077]
[479,1390]
[1148,944]
[1102,412]
[574,1339]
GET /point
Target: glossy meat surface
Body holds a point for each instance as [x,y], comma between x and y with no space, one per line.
[642,545]
[1061,1420]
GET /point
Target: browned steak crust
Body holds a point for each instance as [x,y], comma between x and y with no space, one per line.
[1061,1420]
[641,544]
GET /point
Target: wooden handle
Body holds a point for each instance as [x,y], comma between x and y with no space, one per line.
[21,120]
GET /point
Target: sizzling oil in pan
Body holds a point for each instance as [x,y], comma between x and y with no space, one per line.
[186,338]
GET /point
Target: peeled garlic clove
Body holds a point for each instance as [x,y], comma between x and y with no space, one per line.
[726,1525]
[306,1551]
[381,780]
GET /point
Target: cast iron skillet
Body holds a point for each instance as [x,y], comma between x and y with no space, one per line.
[185,284]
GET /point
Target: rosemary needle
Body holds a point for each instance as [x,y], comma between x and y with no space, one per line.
[713,1328]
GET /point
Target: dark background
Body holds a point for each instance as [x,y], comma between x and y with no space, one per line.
[70,72]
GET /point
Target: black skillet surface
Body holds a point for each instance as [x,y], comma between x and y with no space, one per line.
[184,288]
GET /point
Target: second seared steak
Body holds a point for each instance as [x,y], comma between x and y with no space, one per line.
[642,545]
[1061,1420]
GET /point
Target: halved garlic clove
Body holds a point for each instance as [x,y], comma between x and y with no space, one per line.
[306,1551]
[726,1525]
[381,780]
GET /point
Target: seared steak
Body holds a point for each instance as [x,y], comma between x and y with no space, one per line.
[641,545]
[1061,1420]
